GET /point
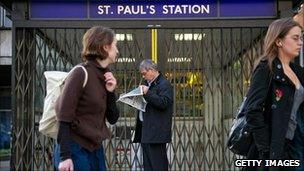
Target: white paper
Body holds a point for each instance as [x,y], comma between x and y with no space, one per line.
[134,98]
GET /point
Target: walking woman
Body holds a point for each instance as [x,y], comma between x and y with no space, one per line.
[81,111]
[297,144]
[275,94]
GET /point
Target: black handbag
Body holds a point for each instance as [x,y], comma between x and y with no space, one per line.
[240,137]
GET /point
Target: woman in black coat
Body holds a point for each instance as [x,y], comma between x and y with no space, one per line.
[271,97]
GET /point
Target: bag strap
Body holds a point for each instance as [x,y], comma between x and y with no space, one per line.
[244,103]
[269,85]
[85,73]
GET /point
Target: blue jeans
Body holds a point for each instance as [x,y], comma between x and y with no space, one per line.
[83,159]
[297,148]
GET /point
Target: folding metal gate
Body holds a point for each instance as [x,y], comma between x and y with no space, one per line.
[208,68]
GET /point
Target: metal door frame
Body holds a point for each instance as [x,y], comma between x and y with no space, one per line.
[21,24]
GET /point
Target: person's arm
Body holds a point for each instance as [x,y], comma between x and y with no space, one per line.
[162,99]
[112,112]
[65,108]
[63,139]
[299,17]
[67,102]
[256,99]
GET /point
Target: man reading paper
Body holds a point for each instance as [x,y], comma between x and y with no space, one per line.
[153,127]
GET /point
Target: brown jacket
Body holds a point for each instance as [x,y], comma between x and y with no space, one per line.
[86,108]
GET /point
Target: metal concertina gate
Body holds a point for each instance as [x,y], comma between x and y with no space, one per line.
[209,69]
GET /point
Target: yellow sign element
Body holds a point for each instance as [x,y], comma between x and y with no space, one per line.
[154,45]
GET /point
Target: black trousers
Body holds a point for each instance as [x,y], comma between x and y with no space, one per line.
[155,157]
[253,154]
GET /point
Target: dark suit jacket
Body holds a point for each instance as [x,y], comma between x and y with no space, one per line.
[269,122]
[156,126]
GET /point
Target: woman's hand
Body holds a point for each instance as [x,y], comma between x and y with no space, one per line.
[66,165]
[110,81]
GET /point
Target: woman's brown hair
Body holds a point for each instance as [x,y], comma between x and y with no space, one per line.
[278,29]
[93,42]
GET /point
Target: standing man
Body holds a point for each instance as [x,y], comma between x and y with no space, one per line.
[153,127]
